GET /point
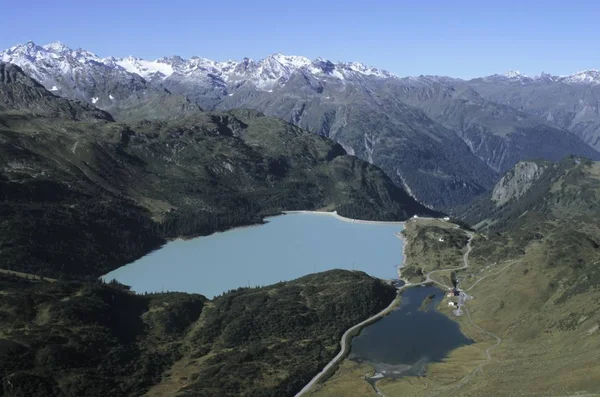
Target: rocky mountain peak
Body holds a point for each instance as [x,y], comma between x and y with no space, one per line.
[590,76]
[514,74]
[56,47]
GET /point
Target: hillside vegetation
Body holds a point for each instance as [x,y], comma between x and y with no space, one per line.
[78,199]
[81,195]
[91,339]
[534,273]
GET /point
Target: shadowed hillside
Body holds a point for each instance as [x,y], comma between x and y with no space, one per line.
[79,199]
[64,339]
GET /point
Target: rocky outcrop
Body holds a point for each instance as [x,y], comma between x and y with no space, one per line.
[516,182]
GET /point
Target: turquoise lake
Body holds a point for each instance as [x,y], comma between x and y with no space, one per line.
[285,248]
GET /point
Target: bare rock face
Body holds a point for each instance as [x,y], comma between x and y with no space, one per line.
[19,92]
[516,182]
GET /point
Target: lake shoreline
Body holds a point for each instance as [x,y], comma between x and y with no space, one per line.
[344,219]
[325,242]
[264,220]
[404,240]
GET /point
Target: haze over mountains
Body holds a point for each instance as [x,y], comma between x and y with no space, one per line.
[444,140]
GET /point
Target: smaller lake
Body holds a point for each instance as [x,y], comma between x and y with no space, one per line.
[411,336]
[285,248]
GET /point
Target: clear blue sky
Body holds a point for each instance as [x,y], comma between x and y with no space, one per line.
[449,37]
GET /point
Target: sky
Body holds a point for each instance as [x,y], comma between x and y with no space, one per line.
[459,38]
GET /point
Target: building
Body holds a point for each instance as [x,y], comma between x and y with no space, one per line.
[451,304]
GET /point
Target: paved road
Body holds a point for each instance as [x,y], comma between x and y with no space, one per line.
[428,278]
[345,343]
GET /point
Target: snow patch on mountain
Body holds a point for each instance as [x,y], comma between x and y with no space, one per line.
[44,63]
[145,68]
[81,74]
[590,76]
[514,74]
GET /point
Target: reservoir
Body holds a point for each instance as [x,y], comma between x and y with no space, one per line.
[285,248]
[413,335]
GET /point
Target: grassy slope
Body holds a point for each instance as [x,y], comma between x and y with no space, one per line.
[546,313]
[59,339]
[538,292]
[424,253]
[87,339]
[535,283]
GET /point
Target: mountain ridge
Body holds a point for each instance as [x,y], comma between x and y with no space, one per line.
[437,137]
[164,66]
[65,184]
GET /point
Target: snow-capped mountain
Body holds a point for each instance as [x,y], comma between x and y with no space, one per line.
[429,133]
[585,77]
[590,76]
[514,74]
[45,63]
[570,101]
[267,73]
[102,82]
[81,74]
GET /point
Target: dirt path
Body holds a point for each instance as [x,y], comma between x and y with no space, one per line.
[487,351]
[490,275]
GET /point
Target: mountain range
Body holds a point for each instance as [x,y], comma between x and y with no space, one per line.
[87,185]
[444,140]
[69,174]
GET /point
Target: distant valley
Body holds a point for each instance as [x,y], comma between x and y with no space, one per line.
[444,140]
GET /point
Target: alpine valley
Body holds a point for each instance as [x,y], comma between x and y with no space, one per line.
[491,186]
[445,141]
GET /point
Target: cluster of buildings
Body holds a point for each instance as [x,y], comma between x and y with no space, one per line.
[452,292]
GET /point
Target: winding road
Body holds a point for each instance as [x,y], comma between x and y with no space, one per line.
[428,278]
[487,351]
[345,343]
